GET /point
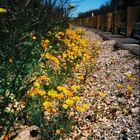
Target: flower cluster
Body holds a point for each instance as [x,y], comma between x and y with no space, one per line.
[128,88]
[67,51]
[64,58]
[69,48]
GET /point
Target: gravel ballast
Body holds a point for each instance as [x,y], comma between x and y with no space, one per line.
[116,117]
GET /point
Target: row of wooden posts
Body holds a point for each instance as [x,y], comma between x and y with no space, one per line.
[112,21]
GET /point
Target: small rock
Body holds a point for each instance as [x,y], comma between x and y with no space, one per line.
[135,110]
[29,133]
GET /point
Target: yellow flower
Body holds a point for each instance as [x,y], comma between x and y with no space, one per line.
[3,10]
[76,98]
[55,60]
[65,106]
[75,87]
[102,94]
[47,105]
[129,89]
[34,37]
[119,86]
[60,96]
[54,110]
[64,55]
[11,60]
[130,76]
[85,106]
[81,77]
[41,92]
[68,93]
[52,93]
[36,84]
[93,60]
[48,110]
[44,77]
[61,88]
[52,58]
[80,109]
[47,55]
[69,102]
[58,131]
[47,41]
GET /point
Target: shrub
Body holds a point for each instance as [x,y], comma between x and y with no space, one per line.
[39,69]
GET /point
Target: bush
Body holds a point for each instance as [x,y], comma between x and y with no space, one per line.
[40,60]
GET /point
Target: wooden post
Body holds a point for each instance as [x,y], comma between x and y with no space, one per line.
[95,22]
[132,15]
[130,21]
[103,21]
[109,21]
[98,21]
[89,22]
[87,19]
[83,22]
[92,22]
[116,21]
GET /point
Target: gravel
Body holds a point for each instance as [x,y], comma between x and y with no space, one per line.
[117,116]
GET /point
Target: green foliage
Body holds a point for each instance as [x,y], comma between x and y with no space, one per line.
[20,54]
[62,122]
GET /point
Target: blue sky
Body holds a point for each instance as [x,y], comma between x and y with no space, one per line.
[86,5]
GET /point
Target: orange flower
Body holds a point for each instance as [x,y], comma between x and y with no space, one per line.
[33,92]
[60,96]
[44,45]
[129,89]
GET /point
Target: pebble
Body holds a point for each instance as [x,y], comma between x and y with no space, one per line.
[29,133]
[110,68]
